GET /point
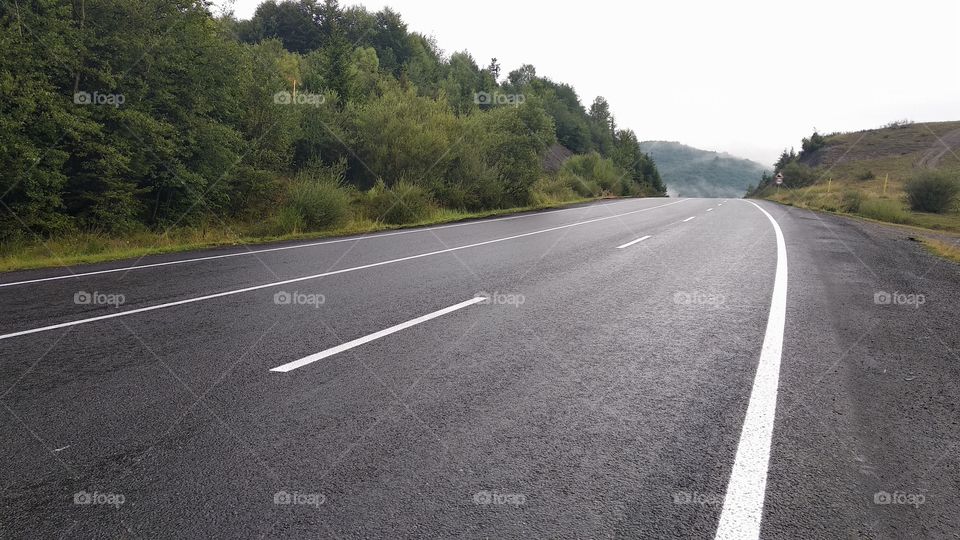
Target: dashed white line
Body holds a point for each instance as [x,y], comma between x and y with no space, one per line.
[709,209]
[284,248]
[628,244]
[376,335]
[743,503]
[324,274]
[688,219]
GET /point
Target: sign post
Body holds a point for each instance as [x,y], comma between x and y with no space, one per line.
[779,180]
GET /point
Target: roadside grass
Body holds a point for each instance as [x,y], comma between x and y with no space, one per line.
[872,203]
[943,249]
[88,247]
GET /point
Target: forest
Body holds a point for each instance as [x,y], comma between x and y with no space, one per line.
[121,117]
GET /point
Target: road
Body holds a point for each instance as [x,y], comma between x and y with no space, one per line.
[644,368]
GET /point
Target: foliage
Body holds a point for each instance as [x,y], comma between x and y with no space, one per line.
[317,198]
[851,201]
[110,125]
[404,202]
[932,191]
[884,210]
[796,175]
[811,145]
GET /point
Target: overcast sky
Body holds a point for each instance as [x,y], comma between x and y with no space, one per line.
[745,77]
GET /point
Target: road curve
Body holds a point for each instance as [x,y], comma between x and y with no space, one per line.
[600,371]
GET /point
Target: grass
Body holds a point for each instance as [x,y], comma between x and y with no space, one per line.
[872,203]
[943,249]
[88,248]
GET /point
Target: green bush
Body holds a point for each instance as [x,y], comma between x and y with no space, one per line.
[884,210]
[402,203]
[552,189]
[798,175]
[287,220]
[317,197]
[851,201]
[932,191]
[866,175]
[591,175]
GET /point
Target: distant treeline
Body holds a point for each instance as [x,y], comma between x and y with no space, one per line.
[692,172]
[130,114]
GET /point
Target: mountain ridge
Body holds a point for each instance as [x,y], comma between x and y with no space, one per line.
[694,172]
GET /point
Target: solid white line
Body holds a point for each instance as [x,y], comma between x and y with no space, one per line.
[296,246]
[688,219]
[324,274]
[376,335]
[628,244]
[743,503]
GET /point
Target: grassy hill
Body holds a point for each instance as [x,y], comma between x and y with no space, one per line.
[871,168]
[691,172]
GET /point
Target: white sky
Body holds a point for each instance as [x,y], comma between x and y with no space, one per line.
[741,76]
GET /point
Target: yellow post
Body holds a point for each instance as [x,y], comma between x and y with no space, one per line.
[294,90]
[829,183]
[885,180]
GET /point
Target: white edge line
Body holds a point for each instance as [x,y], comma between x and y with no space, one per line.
[628,244]
[371,337]
[324,274]
[688,219]
[743,503]
[370,236]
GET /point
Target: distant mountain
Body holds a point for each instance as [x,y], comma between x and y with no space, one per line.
[691,172]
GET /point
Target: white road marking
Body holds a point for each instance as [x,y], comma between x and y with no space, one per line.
[688,219]
[324,274]
[297,246]
[743,503]
[709,209]
[376,335]
[628,244]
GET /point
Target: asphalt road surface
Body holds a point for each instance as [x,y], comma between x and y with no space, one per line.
[647,368]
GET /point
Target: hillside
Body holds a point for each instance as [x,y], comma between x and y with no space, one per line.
[865,172]
[896,150]
[691,172]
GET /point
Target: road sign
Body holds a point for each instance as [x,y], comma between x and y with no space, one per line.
[779,178]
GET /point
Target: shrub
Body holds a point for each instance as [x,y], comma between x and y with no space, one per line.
[591,174]
[884,210]
[317,197]
[866,175]
[798,175]
[932,192]
[287,220]
[552,189]
[403,203]
[851,201]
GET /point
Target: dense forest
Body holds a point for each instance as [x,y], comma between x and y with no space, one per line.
[133,115]
[692,172]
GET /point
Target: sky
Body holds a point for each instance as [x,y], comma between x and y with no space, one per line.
[745,77]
